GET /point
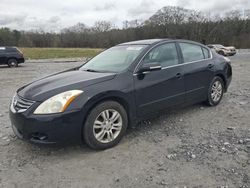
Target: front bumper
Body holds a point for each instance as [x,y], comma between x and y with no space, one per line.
[47,129]
[231,53]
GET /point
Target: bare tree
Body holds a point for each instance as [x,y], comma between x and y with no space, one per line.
[232,28]
[102,26]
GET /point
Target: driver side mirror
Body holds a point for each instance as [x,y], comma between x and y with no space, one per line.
[149,67]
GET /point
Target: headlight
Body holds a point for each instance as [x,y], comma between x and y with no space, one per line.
[57,103]
[227,59]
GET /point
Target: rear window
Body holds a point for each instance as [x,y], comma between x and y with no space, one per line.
[11,50]
[206,53]
[191,52]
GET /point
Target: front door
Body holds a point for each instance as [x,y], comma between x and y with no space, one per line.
[157,90]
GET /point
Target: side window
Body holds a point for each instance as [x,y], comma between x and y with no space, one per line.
[206,53]
[11,50]
[191,52]
[165,54]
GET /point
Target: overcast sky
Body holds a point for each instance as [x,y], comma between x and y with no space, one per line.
[53,15]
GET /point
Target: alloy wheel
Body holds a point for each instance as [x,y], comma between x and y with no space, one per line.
[107,126]
[217,91]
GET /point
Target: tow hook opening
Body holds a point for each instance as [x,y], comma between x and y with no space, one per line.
[39,136]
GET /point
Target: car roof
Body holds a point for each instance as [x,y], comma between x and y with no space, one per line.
[156,41]
[7,47]
[144,42]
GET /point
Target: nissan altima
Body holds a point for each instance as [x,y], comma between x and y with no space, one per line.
[95,103]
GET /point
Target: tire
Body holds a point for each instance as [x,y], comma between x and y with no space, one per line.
[221,53]
[97,131]
[12,63]
[215,91]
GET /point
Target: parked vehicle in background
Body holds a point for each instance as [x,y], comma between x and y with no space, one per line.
[223,50]
[119,87]
[11,56]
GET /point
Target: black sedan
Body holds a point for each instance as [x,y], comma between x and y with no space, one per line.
[96,102]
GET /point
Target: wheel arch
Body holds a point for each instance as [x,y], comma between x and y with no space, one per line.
[110,96]
[11,58]
[222,76]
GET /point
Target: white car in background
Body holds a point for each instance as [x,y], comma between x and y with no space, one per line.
[223,50]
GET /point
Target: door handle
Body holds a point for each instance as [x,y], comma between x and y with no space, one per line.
[210,66]
[178,75]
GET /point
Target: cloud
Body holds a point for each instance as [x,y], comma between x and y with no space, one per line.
[57,14]
[215,6]
[105,6]
[7,19]
[54,19]
[24,22]
[183,3]
[144,8]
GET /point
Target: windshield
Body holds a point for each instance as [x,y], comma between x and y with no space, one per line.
[115,59]
[219,46]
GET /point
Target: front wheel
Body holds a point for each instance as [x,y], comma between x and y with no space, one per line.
[221,53]
[215,91]
[105,125]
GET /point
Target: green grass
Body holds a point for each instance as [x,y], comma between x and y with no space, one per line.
[50,53]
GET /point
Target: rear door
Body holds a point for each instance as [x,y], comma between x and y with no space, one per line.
[160,89]
[198,70]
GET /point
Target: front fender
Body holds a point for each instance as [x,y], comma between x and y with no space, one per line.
[125,99]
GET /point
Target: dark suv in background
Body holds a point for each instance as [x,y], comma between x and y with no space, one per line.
[11,56]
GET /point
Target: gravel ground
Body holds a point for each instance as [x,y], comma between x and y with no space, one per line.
[197,146]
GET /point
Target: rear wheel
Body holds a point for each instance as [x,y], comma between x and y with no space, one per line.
[105,125]
[215,91]
[12,63]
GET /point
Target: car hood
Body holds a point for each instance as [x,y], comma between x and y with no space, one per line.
[229,48]
[47,87]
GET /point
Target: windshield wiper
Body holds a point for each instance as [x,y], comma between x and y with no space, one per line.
[90,70]
[102,71]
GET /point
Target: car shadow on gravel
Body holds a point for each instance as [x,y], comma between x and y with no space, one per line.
[7,67]
[212,150]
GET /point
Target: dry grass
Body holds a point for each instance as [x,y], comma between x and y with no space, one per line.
[50,53]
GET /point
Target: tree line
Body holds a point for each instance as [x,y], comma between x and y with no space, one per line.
[169,22]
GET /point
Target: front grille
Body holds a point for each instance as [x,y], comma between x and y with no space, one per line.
[20,104]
